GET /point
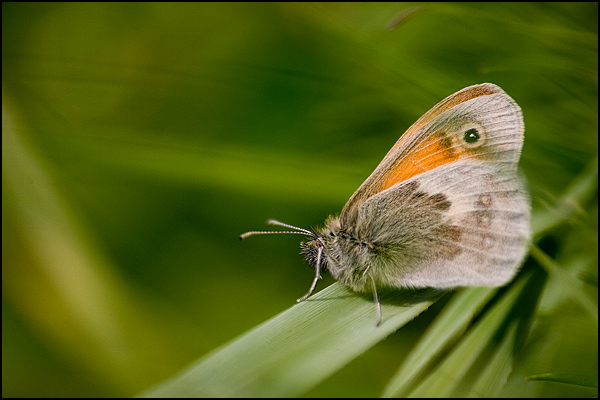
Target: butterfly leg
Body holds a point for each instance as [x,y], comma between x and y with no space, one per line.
[377,303]
[317,276]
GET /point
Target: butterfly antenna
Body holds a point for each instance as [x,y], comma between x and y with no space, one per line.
[296,230]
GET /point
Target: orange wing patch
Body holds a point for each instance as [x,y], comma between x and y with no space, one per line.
[457,98]
[438,149]
[414,154]
[430,154]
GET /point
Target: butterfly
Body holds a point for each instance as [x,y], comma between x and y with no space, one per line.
[445,208]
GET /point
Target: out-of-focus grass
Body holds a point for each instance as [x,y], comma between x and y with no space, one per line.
[140,139]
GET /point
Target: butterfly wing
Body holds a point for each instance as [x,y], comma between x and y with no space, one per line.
[463,224]
[480,122]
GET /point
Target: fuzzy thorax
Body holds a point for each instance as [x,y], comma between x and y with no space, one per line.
[349,259]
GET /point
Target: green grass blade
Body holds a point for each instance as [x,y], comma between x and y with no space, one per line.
[582,189]
[456,316]
[495,374]
[444,380]
[297,349]
[570,284]
[572,379]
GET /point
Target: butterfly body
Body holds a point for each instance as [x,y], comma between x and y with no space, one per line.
[431,231]
[445,207]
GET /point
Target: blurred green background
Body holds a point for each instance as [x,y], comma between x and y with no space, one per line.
[139,140]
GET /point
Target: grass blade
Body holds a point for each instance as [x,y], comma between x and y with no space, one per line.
[297,349]
[456,316]
[444,380]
